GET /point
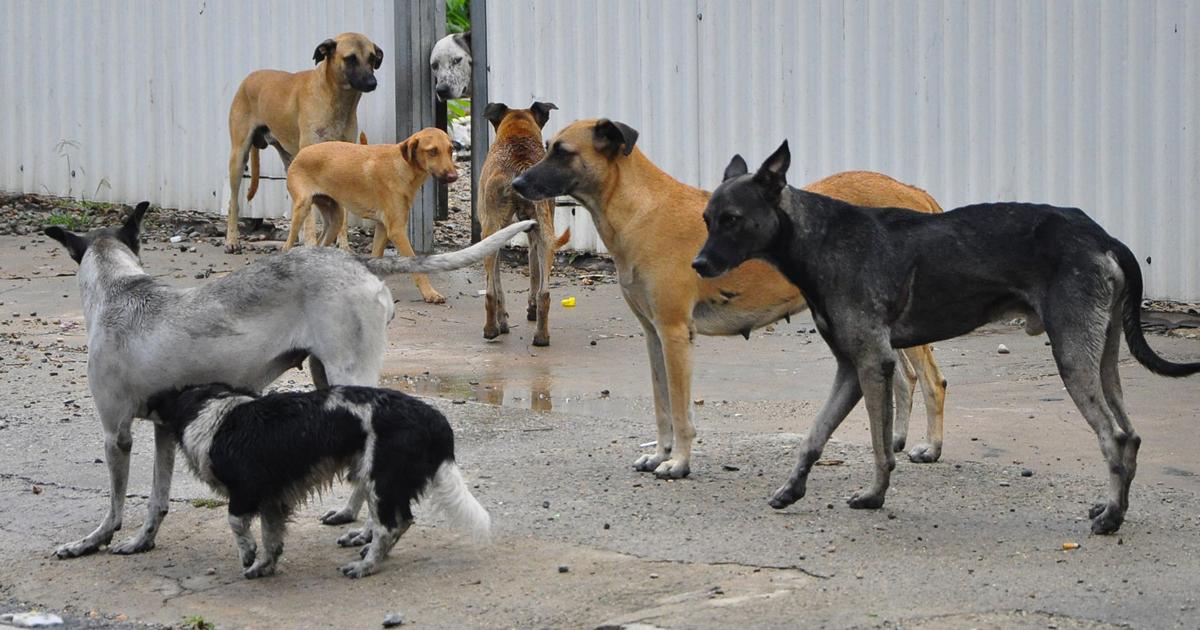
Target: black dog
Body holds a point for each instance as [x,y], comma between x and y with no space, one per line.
[879,279]
[268,454]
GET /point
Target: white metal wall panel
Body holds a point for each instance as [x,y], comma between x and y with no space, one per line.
[1089,104]
[129,99]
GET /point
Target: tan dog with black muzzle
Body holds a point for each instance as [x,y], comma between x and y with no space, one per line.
[653,226]
[290,111]
[377,182]
[518,146]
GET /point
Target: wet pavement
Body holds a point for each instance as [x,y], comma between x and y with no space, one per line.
[547,437]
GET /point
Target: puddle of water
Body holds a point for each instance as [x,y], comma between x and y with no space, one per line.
[536,393]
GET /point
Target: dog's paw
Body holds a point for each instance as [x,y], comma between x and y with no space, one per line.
[433,297]
[247,555]
[78,548]
[864,500]
[337,517]
[787,494]
[260,569]
[490,332]
[924,453]
[673,469]
[898,444]
[541,341]
[137,544]
[1106,518]
[648,462]
[359,569]
[355,538]
[531,313]
[233,248]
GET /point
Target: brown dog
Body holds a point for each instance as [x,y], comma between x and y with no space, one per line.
[518,146]
[653,226]
[376,182]
[290,111]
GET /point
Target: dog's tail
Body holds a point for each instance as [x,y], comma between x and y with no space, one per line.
[1132,319]
[390,265]
[562,240]
[447,493]
[253,173]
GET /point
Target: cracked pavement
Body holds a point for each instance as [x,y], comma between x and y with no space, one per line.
[547,437]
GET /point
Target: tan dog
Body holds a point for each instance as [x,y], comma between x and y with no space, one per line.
[377,182]
[518,146]
[653,226]
[290,111]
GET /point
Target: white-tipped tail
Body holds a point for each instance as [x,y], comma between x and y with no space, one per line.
[389,265]
[448,494]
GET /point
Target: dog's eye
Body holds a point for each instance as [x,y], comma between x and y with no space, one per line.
[433,151]
[457,60]
[434,65]
[730,220]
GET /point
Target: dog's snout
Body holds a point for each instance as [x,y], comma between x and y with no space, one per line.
[520,185]
[702,265]
[369,84]
[443,91]
[450,177]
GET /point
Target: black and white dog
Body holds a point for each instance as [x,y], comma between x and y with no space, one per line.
[268,454]
[880,279]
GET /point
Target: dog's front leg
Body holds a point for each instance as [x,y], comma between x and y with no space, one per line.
[845,394]
[118,441]
[875,375]
[160,494]
[677,351]
[662,401]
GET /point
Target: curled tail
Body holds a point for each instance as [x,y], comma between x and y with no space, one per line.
[389,265]
[253,173]
[1132,320]
[447,493]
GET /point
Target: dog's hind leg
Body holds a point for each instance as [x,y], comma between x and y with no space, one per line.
[845,394]
[933,388]
[160,494]
[386,532]
[241,139]
[247,550]
[540,246]
[273,519]
[1111,381]
[117,421]
[1079,344]
[495,321]
[317,370]
[906,383]
[875,376]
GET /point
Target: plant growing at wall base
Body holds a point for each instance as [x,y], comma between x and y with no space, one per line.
[458,16]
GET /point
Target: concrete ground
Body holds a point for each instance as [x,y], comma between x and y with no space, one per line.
[547,437]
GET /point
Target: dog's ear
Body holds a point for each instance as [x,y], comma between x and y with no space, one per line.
[773,172]
[737,167]
[494,113]
[408,150]
[378,59]
[464,40]
[133,226]
[541,112]
[76,245]
[324,49]
[610,136]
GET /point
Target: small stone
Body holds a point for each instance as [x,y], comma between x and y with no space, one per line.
[592,342]
[393,620]
[458,401]
[607,526]
[1002,349]
[1026,472]
[653,576]
[562,568]
[210,571]
[604,393]
[546,504]
[729,468]
[1004,484]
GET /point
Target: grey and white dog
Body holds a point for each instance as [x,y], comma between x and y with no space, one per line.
[878,279]
[245,329]
[450,62]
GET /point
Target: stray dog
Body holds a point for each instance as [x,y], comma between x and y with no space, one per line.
[247,328]
[376,182]
[290,111]
[450,62]
[653,227]
[518,146]
[873,286]
[269,454]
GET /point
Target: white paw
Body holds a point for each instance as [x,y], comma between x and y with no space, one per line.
[261,569]
[649,463]
[355,538]
[673,469]
[359,569]
[137,544]
[924,453]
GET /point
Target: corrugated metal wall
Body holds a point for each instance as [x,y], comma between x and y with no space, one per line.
[1074,102]
[125,100]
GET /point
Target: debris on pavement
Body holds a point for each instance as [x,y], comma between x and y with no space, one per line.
[392,620]
[31,619]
